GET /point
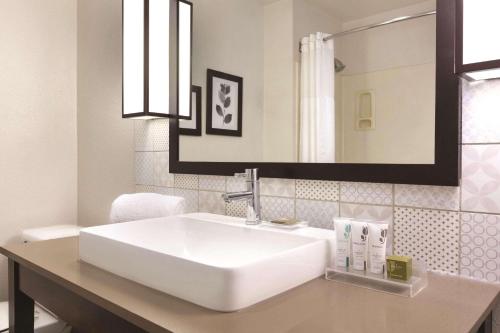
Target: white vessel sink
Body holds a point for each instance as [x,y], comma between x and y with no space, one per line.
[213,261]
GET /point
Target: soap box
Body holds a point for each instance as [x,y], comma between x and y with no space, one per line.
[399,267]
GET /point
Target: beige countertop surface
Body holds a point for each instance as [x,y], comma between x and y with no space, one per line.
[448,304]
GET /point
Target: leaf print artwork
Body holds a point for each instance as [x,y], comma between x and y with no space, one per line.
[224,109]
[225,100]
[219,110]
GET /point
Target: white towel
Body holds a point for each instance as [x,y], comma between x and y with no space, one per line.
[142,206]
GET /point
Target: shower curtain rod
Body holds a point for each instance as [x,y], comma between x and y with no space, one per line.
[376,25]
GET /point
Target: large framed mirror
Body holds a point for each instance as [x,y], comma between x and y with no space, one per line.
[324,89]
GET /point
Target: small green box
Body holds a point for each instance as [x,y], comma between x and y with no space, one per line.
[399,267]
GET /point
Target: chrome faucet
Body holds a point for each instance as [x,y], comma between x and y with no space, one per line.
[251,195]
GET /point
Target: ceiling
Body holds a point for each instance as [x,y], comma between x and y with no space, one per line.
[347,10]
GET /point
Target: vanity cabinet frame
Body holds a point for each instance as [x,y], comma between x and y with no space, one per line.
[445,171]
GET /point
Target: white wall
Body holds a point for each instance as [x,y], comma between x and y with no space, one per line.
[38,142]
[105,140]
[228,37]
[404,116]
[279,119]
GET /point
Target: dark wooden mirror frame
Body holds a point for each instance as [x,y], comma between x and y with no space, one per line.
[444,172]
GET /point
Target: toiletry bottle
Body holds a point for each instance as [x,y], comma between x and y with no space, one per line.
[343,233]
[359,238]
[377,246]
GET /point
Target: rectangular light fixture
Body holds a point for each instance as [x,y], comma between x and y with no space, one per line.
[152,72]
[478,58]
[488,74]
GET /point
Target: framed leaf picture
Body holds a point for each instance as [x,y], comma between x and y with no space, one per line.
[224,103]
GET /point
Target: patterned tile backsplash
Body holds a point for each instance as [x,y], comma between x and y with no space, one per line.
[367,193]
[481,178]
[480,114]
[456,230]
[480,244]
[431,236]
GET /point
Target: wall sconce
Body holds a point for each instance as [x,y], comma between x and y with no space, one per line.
[478,53]
[156,59]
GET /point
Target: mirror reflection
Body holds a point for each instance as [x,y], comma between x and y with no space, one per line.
[312,81]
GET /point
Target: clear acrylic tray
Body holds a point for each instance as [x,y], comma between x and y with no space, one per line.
[380,282]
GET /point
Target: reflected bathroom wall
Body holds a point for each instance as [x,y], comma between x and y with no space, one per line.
[388,79]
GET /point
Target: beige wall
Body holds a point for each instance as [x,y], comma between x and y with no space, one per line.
[279,118]
[397,64]
[403,100]
[38,143]
[228,37]
[105,140]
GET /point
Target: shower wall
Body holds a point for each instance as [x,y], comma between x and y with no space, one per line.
[397,64]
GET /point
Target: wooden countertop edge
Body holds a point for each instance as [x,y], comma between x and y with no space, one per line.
[105,304]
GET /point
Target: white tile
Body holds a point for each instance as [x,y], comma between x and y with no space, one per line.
[480,113]
[430,236]
[368,193]
[142,137]
[144,189]
[213,183]
[151,135]
[144,168]
[164,190]
[319,214]
[211,202]
[154,189]
[437,197]
[160,134]
[191,197]
[480,246]
[234,184]
[237,209]
[161,172]
[481,178]
[317,190]
[186,181]
[277,187]
[275,208]
[367,212]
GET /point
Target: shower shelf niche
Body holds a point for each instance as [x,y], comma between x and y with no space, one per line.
[365,113]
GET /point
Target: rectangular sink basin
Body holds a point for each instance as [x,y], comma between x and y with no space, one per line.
[214,261]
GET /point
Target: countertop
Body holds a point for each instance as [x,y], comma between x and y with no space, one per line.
[448,304]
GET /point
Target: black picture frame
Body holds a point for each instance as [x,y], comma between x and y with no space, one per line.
[211,74]
[444,172]
[196,90]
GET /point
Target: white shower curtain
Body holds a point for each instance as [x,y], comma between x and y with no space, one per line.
[317,102]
